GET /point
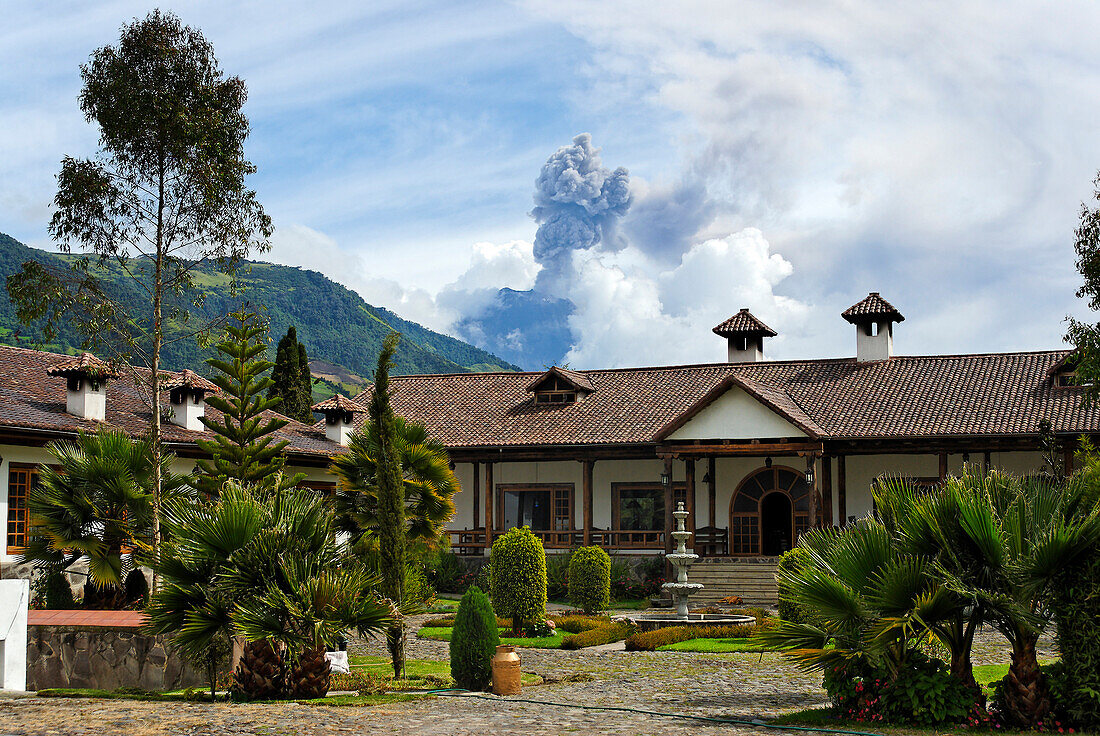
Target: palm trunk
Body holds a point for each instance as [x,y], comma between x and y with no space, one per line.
[311,674]
[961,667]
[1027,696]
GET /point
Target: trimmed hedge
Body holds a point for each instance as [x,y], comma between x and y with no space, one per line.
[517,575]
[590,579]
[604,634]
[474,640]
[576,624]
[791,561]
[449,621]
[1075,601]
[649,641]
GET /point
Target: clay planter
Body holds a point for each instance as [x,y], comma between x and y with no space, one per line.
[506,674]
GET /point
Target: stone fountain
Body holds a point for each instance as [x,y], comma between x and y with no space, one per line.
[681,559]
[680,589]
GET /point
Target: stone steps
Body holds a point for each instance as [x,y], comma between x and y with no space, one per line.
[752,580]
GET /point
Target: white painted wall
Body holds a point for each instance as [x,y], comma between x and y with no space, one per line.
[736,415]
[89,401]
[875,347]
[15,596]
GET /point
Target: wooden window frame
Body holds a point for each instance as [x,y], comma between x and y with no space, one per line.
[679,493]
[32,470]
[553,488]
[737,519]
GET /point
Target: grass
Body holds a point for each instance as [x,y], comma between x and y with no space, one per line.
[444,605]
[443,633]
[640,604]
[712,646]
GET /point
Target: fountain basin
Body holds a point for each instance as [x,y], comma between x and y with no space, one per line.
[652,621]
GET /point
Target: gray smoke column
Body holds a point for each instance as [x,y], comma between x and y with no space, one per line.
[578,203]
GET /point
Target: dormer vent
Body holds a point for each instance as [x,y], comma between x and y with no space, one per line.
[560,386]
[187,392]
[339,414]
[85,385]
[744,335]
[874,318]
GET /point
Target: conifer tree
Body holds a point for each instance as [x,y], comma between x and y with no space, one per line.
[243,447]
[305,385]
[291,379]
[391,499]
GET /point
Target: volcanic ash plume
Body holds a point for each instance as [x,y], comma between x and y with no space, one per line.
[578,203]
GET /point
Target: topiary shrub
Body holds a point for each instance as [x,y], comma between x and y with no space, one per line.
[53,592]
[603,634]
[575,624]
[791,562]
[137,588]
[650,641]
[517,573]
[1075,601]
[590,579]
[473,641]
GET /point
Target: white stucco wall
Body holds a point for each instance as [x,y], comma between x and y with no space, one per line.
[736,415]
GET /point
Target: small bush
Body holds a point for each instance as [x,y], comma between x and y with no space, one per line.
[923,694]
[518,576]
[137,588]
[790,562]
[590,579]
[473,641]
[1076,605]
[53,592]
[650,641]
[557,576]
[604,634]
[445,573]
[575,624]
[417,588]
[538,629]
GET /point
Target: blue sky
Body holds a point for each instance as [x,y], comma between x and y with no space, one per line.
[781,157]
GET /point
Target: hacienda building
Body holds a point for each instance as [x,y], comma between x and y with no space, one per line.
[756,450]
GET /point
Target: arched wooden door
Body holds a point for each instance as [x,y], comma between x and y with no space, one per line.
[768,512]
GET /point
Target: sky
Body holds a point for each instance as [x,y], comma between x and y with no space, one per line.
[632,173]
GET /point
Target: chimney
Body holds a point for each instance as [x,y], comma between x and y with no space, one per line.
[85,385]
[874,318]
[187,392]
[339,414]
[744,335]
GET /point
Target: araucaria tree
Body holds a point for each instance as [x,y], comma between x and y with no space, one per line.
[243,448]
[391,499]
[165,193]
[291,378]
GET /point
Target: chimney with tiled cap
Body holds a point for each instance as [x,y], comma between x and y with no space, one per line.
[745,335]
[874,318]
[85,385]
[187,392]
[339,414]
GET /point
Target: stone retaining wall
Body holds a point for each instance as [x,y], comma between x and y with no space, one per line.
[104,657]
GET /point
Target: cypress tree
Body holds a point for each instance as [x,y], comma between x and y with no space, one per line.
[474,640]
[391,499]
[305,386]
[243,447]
[291,380]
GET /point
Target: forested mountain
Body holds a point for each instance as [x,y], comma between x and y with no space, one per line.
[333,322]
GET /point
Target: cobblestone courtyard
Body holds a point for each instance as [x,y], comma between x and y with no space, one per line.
[727,685]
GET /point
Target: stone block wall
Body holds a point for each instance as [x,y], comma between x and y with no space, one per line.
[105,658]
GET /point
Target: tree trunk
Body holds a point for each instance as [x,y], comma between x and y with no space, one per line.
[154,379]
[310,676]
[1027,696]
[517,626]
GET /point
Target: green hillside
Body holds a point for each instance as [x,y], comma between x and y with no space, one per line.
[333,322]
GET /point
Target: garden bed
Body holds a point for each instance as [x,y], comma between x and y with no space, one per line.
[714,646]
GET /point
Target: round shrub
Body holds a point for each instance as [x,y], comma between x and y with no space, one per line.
[53,592]
[474,640]
[517,577]
[137,588]
[590,579]
[791,562]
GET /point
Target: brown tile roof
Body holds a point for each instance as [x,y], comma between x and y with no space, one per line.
[743,323]
[86,365]
[339,403]
[187,378]
[920,396]
[870,307]
[32,399]
[576,379]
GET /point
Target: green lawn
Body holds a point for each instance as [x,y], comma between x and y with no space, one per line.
[421,673]
[443,633]
[444,605]
[712,646]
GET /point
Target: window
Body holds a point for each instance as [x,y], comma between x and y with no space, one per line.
[544,507]
[641,506]
[21,478]
[563,397]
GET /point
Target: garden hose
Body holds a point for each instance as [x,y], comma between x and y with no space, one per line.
[757,723]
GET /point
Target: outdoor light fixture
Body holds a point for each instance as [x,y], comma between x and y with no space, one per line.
[666,480]
[706,477]
[767,462]
[810,470]
[966,457]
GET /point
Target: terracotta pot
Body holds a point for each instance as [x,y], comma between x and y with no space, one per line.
[506,674]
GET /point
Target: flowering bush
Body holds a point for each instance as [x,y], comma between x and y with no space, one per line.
[538,628]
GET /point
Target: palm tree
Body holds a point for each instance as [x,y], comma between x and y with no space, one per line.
[267,566]
[429,482]
[94,502]
[1001,540]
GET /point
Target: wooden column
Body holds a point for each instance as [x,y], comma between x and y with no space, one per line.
[587,500]
[987,462]
[689,505]
[668,506]
[827,490]
[943,466]
[489,504]
[814,515]
[712,492]
[477,495]
[1067,458]
[841,490]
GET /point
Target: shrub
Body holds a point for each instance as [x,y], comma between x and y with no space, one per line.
[539,629]
[1076,606]
[791,562]
[473,641]
[518,577]
[557,576]
[418,590]
[53,592]
[137,588]
[590,579]
[651,640]
[575,624]
[624,586]
[446,572]
[923,694]
[603,634]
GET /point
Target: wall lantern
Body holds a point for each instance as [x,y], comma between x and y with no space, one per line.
[666,480]
[810,470]
[706,477]
[767,462]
